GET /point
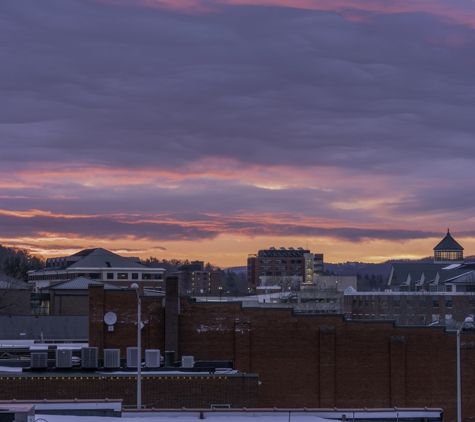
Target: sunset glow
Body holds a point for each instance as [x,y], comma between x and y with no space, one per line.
[210,129]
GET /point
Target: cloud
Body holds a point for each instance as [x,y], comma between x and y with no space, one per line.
[347,120]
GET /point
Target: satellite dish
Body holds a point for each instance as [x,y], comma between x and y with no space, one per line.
[110,318]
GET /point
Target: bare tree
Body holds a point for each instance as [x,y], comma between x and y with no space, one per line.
[287,283]
[14,296]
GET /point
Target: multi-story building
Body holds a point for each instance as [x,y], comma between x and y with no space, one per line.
[422,293]
[287,267]
[97,264]
[195,279]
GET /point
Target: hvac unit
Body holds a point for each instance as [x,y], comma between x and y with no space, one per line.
[89,357]
[39,359]
[152,358]
[64,358]
[132,357]
[187,361]
[111,358]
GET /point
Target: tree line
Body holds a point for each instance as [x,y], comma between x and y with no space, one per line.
[15,263]
[230,280]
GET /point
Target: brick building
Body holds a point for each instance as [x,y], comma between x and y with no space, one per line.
[410,308]
[203,281]
[283,266]
[301,360]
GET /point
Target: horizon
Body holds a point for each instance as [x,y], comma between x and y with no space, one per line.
[210,129]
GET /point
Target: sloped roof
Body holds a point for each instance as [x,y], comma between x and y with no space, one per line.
[102,258]
[81,283]
[448,243]
[462,276]
[401,270]
[12,283]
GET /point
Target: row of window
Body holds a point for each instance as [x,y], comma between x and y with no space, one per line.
[282,261]
[366,301]
[133,276]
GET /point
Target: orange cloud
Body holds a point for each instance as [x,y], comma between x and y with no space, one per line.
[461,13]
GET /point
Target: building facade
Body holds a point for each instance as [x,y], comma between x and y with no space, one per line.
[319,361]
[97,264]
[287,267]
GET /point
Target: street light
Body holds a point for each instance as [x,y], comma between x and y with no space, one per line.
[467,325]
[139,346]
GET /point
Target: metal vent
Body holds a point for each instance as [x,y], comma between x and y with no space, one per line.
[39,359]
[64,358]
[187,361]
[89,357]
[152,358]
[111,358]
[132,357]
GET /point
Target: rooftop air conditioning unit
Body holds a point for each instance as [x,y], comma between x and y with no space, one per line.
[39,359]
[111,358]
[132,357]
[152,358]
[187,361]
[89,357]
[64,358]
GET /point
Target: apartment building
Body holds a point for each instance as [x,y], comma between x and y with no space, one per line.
[286,267]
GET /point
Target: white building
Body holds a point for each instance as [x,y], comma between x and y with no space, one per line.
[97,264]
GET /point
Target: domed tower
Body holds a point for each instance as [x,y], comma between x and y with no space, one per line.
[448,251]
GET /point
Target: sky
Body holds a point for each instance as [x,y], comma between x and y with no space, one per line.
[210,129]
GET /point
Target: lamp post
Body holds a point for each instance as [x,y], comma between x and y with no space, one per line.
[139,346]
[469,327]
[220,292]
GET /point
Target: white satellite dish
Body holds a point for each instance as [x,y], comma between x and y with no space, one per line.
[110,318]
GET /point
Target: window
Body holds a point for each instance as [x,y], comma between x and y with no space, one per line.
[95,276]
[281,261]
[435,302]
[384,301]
[110,276]
[422,302]
[281,267]
[366,302]
[122,276]
[266,268]
[159,277]
[266,261]
[397,301]
[295,267]
[448,288]
[135,276]
[360,302]
[448,301]
[409,301]
[354,302]
[146,276]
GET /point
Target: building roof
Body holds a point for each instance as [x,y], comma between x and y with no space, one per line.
[81,283]
[448,243]
[93,258]
[12,283]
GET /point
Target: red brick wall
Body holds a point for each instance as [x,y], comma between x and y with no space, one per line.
[159,392]
[311,361]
